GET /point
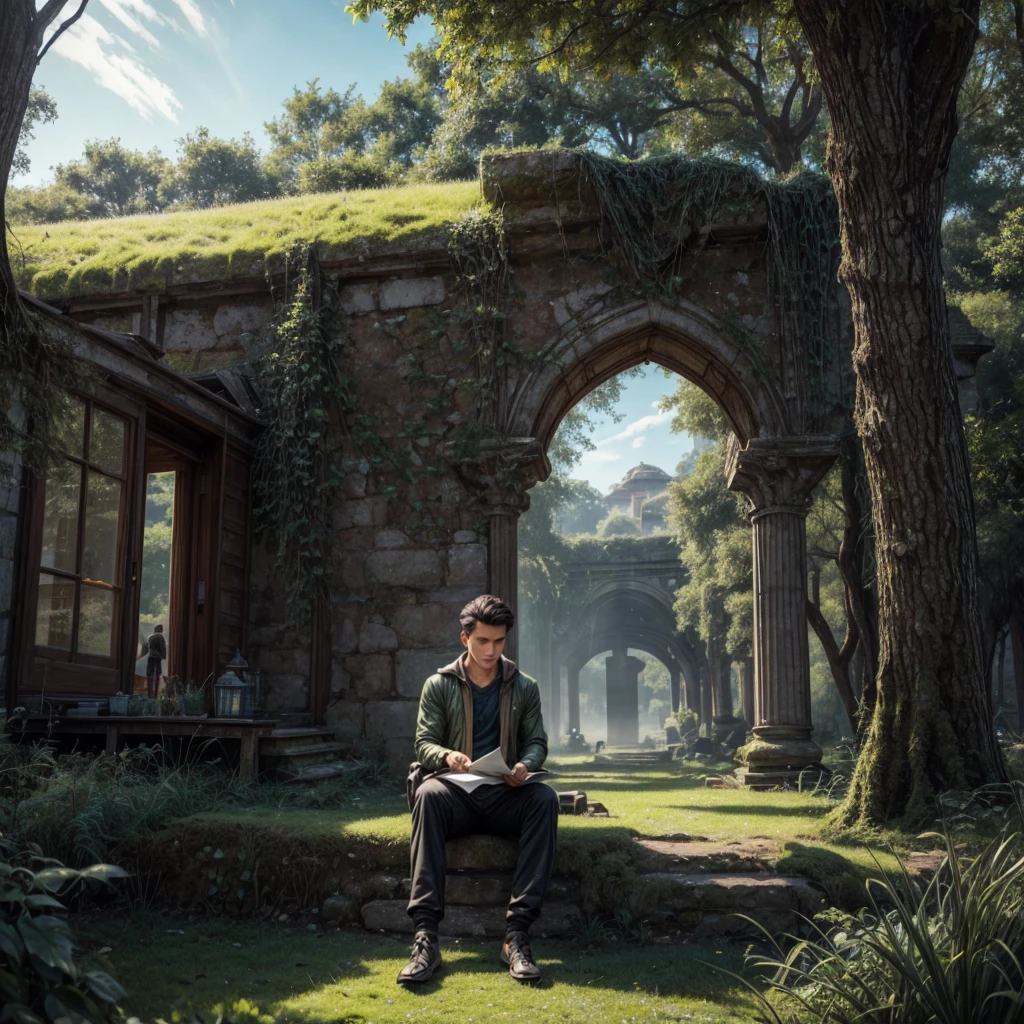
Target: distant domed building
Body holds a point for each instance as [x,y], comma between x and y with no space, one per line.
[642,495]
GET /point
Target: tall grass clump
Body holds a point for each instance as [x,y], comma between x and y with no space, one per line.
[945,953]
[81,809]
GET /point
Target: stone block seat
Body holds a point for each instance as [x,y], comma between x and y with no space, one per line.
[302,864]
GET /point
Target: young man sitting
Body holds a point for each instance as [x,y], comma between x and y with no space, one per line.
[477,703]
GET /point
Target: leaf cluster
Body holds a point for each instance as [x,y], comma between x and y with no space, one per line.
[40,980]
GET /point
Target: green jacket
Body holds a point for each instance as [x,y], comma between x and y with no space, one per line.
[445,721]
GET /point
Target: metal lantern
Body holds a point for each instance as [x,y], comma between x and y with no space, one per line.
[232,692]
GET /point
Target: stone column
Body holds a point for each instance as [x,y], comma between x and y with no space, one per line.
[622,674]
[778,475]
[692,681]
[573,691]
[723,718]
[748,692]
[673,676]
[503,560]
[704,712]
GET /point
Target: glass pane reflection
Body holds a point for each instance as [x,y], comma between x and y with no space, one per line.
[102,517]
[60,520]
[54,612]
[96,621]
[73,432]
[106,444]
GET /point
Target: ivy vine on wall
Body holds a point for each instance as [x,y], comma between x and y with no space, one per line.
[298,462]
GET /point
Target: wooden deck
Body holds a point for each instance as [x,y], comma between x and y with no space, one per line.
[117,728]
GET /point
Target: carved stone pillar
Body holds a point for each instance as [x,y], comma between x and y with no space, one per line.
[622,674]
[778,475]
[673,677]
[573,691]
[704,712]
[553,721]
[748,692]
[503,557]
[692,681]
[501,474]
[724,720]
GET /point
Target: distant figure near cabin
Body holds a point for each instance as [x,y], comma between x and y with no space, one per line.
[156,645]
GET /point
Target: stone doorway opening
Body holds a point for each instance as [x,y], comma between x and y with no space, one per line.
[772,465]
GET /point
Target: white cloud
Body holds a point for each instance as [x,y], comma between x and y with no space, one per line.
[89,44]
[638,427]
[638,442]
[193,16]
[600,456]
[126,10]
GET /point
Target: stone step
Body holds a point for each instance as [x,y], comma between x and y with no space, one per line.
[691,856]
[630,757]
[470,889]
[307,752]
[284,739]
[468,922]
[707,906]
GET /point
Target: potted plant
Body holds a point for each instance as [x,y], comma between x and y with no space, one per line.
[194,700]
[165,703]
[119,703]
[137,704]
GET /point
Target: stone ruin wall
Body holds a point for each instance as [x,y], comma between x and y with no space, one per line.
[403,573]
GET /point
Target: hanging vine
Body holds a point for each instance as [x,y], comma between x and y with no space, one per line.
[298,463]
[660,215]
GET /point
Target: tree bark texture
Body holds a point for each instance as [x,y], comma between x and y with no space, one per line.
[891,71]
[19,46]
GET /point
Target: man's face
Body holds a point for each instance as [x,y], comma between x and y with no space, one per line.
[485,644]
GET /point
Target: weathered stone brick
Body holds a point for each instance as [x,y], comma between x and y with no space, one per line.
[390,538]
[467,565]
[231,321]
[353,485]
[421,568]
[404,293]
[426,625]
[374,637]
[358,298]
[466,537]
[413,667]
[373,675]
[345,637]
[346,718]
[391,719]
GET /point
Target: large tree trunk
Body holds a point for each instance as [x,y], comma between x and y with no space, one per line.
[19,46]
[891,72]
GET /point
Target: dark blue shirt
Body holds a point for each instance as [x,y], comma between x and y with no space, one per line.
[486,717]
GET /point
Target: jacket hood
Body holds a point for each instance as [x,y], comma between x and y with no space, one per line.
[458,668]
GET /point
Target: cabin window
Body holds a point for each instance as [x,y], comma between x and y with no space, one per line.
[81,587]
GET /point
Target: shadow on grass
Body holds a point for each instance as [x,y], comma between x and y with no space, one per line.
[754,810]
[259,973]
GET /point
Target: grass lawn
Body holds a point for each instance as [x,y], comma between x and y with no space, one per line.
[262,972]
[116,254]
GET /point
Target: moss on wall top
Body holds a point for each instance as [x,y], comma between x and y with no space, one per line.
[74,258]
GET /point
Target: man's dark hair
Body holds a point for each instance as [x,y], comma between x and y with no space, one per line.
[158,629]
[489,610]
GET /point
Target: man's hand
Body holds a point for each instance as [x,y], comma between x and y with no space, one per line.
[457,761]
[518,776]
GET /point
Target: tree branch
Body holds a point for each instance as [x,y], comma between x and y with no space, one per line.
[47,15]
[840,671]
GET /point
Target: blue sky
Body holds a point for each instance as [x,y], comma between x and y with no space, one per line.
[149,71]
[642,435]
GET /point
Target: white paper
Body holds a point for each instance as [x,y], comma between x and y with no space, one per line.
[488,770]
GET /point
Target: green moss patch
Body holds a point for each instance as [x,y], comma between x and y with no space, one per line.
[120,254]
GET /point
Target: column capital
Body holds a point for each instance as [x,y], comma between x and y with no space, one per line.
[780,472]
[501,471]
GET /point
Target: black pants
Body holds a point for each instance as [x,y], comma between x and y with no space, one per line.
[444,811]
[153,666]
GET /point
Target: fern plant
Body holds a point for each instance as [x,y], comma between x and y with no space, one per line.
[949,953]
